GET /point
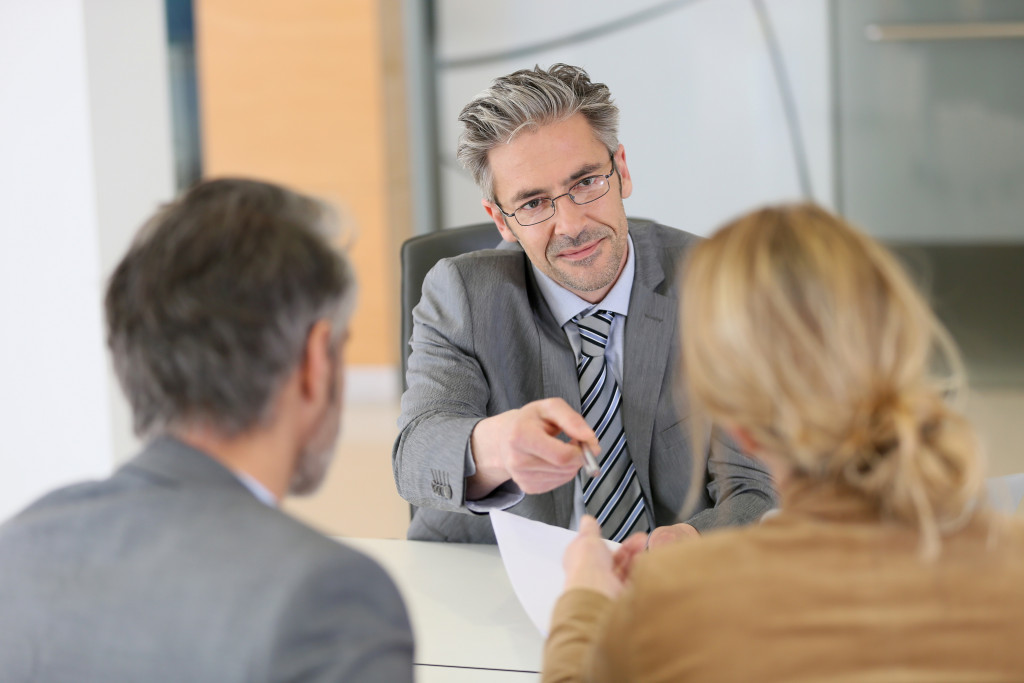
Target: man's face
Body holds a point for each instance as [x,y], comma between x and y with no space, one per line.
[317,454]
[583,248]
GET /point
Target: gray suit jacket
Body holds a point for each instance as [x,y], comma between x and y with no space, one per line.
[484,341]
[171,570]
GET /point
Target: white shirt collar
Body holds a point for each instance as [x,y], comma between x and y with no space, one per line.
[565,305]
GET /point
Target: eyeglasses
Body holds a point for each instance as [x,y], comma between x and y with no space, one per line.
[590,189]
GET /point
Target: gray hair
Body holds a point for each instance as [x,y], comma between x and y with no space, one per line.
[210,309]
[526,99]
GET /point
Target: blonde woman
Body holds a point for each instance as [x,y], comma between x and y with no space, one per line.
[806,341]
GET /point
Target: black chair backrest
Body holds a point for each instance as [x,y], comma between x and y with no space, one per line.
[419,254]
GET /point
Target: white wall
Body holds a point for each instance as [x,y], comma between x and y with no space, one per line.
[75,176]
[701,116]
[130,111]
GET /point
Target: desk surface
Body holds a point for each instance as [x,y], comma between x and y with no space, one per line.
[454,674]
[463,611]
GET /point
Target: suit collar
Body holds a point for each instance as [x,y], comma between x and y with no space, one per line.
[180,464]
[650,273]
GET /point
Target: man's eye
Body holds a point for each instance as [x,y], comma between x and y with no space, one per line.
[532,204]
[587,182]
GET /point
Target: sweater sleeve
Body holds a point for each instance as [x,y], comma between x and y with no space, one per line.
[575,625]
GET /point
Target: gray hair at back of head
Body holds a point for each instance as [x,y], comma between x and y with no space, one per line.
[530,98]
[210,309]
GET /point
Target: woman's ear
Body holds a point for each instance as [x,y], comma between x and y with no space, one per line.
[745,441]
[781,469]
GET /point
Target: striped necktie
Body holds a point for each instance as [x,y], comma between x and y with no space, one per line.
[613,496]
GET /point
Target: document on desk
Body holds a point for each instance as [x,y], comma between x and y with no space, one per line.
[532,554]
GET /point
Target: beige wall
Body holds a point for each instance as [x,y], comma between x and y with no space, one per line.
[304,93]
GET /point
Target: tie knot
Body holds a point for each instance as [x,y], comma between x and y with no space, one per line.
[594,330]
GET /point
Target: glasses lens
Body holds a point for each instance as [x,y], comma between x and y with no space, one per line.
[589,189]
[529,214]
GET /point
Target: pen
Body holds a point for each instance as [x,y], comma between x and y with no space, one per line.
[591,467]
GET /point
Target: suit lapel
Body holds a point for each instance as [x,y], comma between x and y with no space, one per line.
[557,378]
[650,329]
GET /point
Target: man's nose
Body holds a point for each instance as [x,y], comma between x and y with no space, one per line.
[570,218]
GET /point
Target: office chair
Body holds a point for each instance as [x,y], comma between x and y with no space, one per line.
[419,254]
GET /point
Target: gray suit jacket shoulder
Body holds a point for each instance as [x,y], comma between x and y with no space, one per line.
[484,341]
[171,570]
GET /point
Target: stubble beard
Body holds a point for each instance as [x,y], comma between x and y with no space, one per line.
[317,454]
[579,275]
[311,471]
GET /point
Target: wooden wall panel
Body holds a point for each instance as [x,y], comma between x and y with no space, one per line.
[297,92]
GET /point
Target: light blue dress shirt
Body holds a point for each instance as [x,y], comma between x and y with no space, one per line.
[261,492]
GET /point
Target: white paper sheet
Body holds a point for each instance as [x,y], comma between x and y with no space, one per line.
[1005,493]
[532,553]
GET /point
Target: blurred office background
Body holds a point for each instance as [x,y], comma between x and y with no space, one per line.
[905,115]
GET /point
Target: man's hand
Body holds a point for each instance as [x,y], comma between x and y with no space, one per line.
[588,562]
[522,445]
[666,535]
[622,562]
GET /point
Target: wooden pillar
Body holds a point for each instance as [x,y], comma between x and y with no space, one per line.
[307,93]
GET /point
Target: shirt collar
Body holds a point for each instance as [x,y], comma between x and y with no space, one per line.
[259,490]
[565,305]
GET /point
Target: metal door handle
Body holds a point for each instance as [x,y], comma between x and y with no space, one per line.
[882,33]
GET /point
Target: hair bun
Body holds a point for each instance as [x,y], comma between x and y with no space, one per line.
[890,428]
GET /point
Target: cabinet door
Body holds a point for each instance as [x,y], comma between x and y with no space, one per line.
[930,114]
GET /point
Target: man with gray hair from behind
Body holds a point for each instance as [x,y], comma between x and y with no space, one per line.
[227,321]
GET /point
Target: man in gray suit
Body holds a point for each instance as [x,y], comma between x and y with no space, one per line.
[562,340]
[227,322]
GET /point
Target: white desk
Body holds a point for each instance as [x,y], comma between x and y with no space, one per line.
[440,674]
[463,611]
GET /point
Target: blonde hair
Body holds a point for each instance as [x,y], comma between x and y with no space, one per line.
[809,336]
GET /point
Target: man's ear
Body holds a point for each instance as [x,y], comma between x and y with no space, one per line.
[315,370]
[620,164]
[499,220]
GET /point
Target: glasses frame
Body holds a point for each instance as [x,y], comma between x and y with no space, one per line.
[553,200]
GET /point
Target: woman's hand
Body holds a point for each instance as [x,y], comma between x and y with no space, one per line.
[589,562]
